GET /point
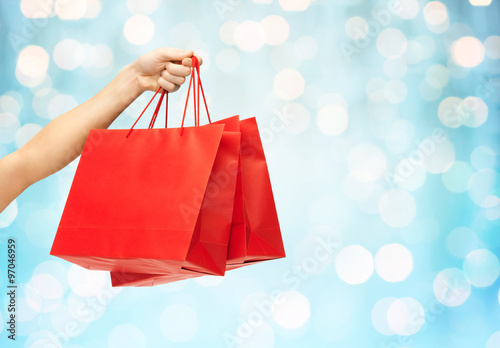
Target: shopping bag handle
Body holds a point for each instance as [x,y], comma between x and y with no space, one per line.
[155,113]
[197,87]
[157,109]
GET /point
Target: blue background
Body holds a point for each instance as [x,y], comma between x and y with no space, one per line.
[339,110]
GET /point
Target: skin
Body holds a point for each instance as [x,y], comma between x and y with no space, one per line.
[62,140]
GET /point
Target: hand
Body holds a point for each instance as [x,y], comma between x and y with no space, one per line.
[164,67]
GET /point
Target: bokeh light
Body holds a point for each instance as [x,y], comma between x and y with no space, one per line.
[452,287]
[139,30]
[397,208]
[481,267]
[467,51]
[354,264]
[332,119]
[405,316]
[291,310]
[393,263]
[380,129]
[289,84]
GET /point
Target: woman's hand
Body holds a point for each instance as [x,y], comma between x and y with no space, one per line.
[164,67]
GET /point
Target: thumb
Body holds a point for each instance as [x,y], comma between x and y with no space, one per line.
[173,54]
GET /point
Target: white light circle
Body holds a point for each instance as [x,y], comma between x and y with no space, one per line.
[291,309]
[395,91]
[409,175]
[492,47]
[86,283]
[379,316]
[451,287]
[475,112]
[9,125]
[142,7]
[179,323]
[69,54]
[391,43]
[456,178]
[467,51]
[226,32]
[405,316]
[450,112]
[139,30]
[33,62]
[356,28]
[26,132]
[294,5]
[435,13]
[44,293]
[10,104]
[437,76]
[393,263]
[276,29]
[94,8]
[60,104]
[482,187]
[249,36]
[33,9]
[494,340]
[438,155]
[332,119]
[73,10]
[126,336]
[481,267]
[354,264]
[366,162]
[407,9]
[480,2]
[289,84]
[397,208]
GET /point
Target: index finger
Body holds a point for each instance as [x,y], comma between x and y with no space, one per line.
[189,62]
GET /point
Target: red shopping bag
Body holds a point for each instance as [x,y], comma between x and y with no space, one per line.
[135,204]
[255,232]
[218,202]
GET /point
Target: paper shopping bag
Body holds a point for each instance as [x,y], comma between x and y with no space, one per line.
[255,234]
[134,202]
[215,217]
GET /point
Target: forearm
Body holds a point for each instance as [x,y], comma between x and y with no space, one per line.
[62,140]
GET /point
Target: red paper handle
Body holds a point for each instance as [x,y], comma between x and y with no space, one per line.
[196,95]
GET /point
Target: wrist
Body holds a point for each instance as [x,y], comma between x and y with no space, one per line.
[124,88]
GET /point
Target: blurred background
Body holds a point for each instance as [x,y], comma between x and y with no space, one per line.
[380,122]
